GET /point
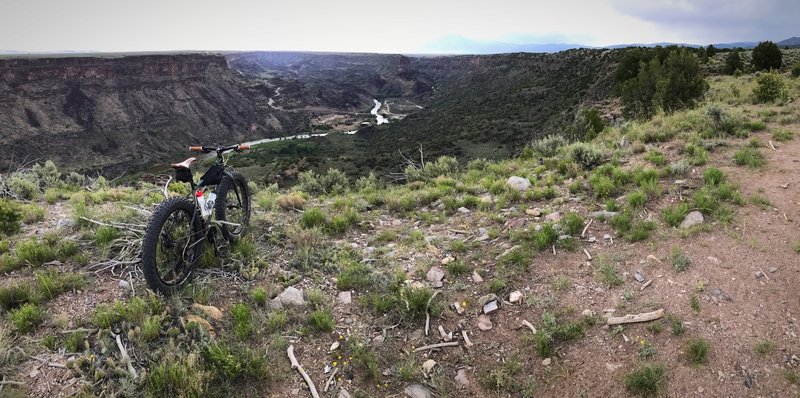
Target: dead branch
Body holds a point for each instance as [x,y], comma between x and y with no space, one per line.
[296,365]
[529,325]
[437,345]
[583,233]
[467,342]
[643,317]
[330,380]
[80,330]
[126,358]
[428,314]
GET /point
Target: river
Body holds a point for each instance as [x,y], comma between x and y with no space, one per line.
[378,118]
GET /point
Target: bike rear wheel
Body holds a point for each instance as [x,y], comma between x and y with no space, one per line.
[232,206]
[171,246]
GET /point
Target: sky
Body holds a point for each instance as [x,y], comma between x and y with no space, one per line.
[404,26]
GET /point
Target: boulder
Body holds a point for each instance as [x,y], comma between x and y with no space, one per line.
[519,183]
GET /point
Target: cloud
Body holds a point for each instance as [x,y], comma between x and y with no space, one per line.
[719,20]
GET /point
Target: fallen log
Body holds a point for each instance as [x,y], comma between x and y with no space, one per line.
[296,365]
[629,318]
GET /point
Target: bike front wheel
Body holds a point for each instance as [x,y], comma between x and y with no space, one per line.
[232,207]
[171,246]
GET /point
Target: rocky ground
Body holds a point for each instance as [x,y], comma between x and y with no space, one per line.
[364,294]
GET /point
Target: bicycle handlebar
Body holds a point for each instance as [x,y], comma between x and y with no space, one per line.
[219,149]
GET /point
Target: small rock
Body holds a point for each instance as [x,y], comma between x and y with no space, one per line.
[200,322]
[581,290]
[554,216]
[33,373]
[639,277]
[418,391]
[461,378]
[515,297]
[533,212]
[428,365]
[463,210]
[291,296]
[484,323]
[209,310]
[680,182]
[476,277]
[591,239]
[772,270]
[487,199]
[546,361]
[436,273]
[518,183]
[721,295]
[345,298]
[296,391]
[587,313]
[692,219]
[448,260]
[459,309]
[343,394]
[606,237]
[65,223]
[491,307]
[123,284]
[378,340]
[605,214]
[611,367]
[334,346]
[415,335]
[759,274]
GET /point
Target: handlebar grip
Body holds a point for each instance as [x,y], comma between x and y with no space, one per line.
[196,148]
[243,147]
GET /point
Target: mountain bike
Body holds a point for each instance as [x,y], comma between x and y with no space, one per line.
[217,212]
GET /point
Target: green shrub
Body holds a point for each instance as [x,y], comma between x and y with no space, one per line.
[354,275]
[417,302]
[334,182]
[767,56]
[242,320]
[457,267]
[609,275]
[770,88]
[313,218]
[674,216]
[259,296]
[796,69]
[24,185]
[105,235]
[697,351]
[545,237]
[637,199]
[680,261]
[782,135]
[73,343]
[36,252]
[646,380]
[713,176]
[151,327]
[602,185]
[749,157]
[10,217]
[573,224]
[26,318]
[176,376]
[548,146]
[321,321]
[655,157]
[586,155]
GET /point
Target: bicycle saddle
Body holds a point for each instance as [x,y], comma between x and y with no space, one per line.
[183,165]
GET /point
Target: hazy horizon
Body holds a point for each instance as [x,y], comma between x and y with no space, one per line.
[360,26]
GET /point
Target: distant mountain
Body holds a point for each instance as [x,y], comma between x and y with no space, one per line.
[461,45]
[453,44]
[791,42]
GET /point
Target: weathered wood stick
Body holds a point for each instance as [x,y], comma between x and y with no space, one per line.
[643,317]
[646,284]
[437,345]
[583,233]
[330,380]
[529,325]
[466,339]
[589,256]
[126,358]
[296,365]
